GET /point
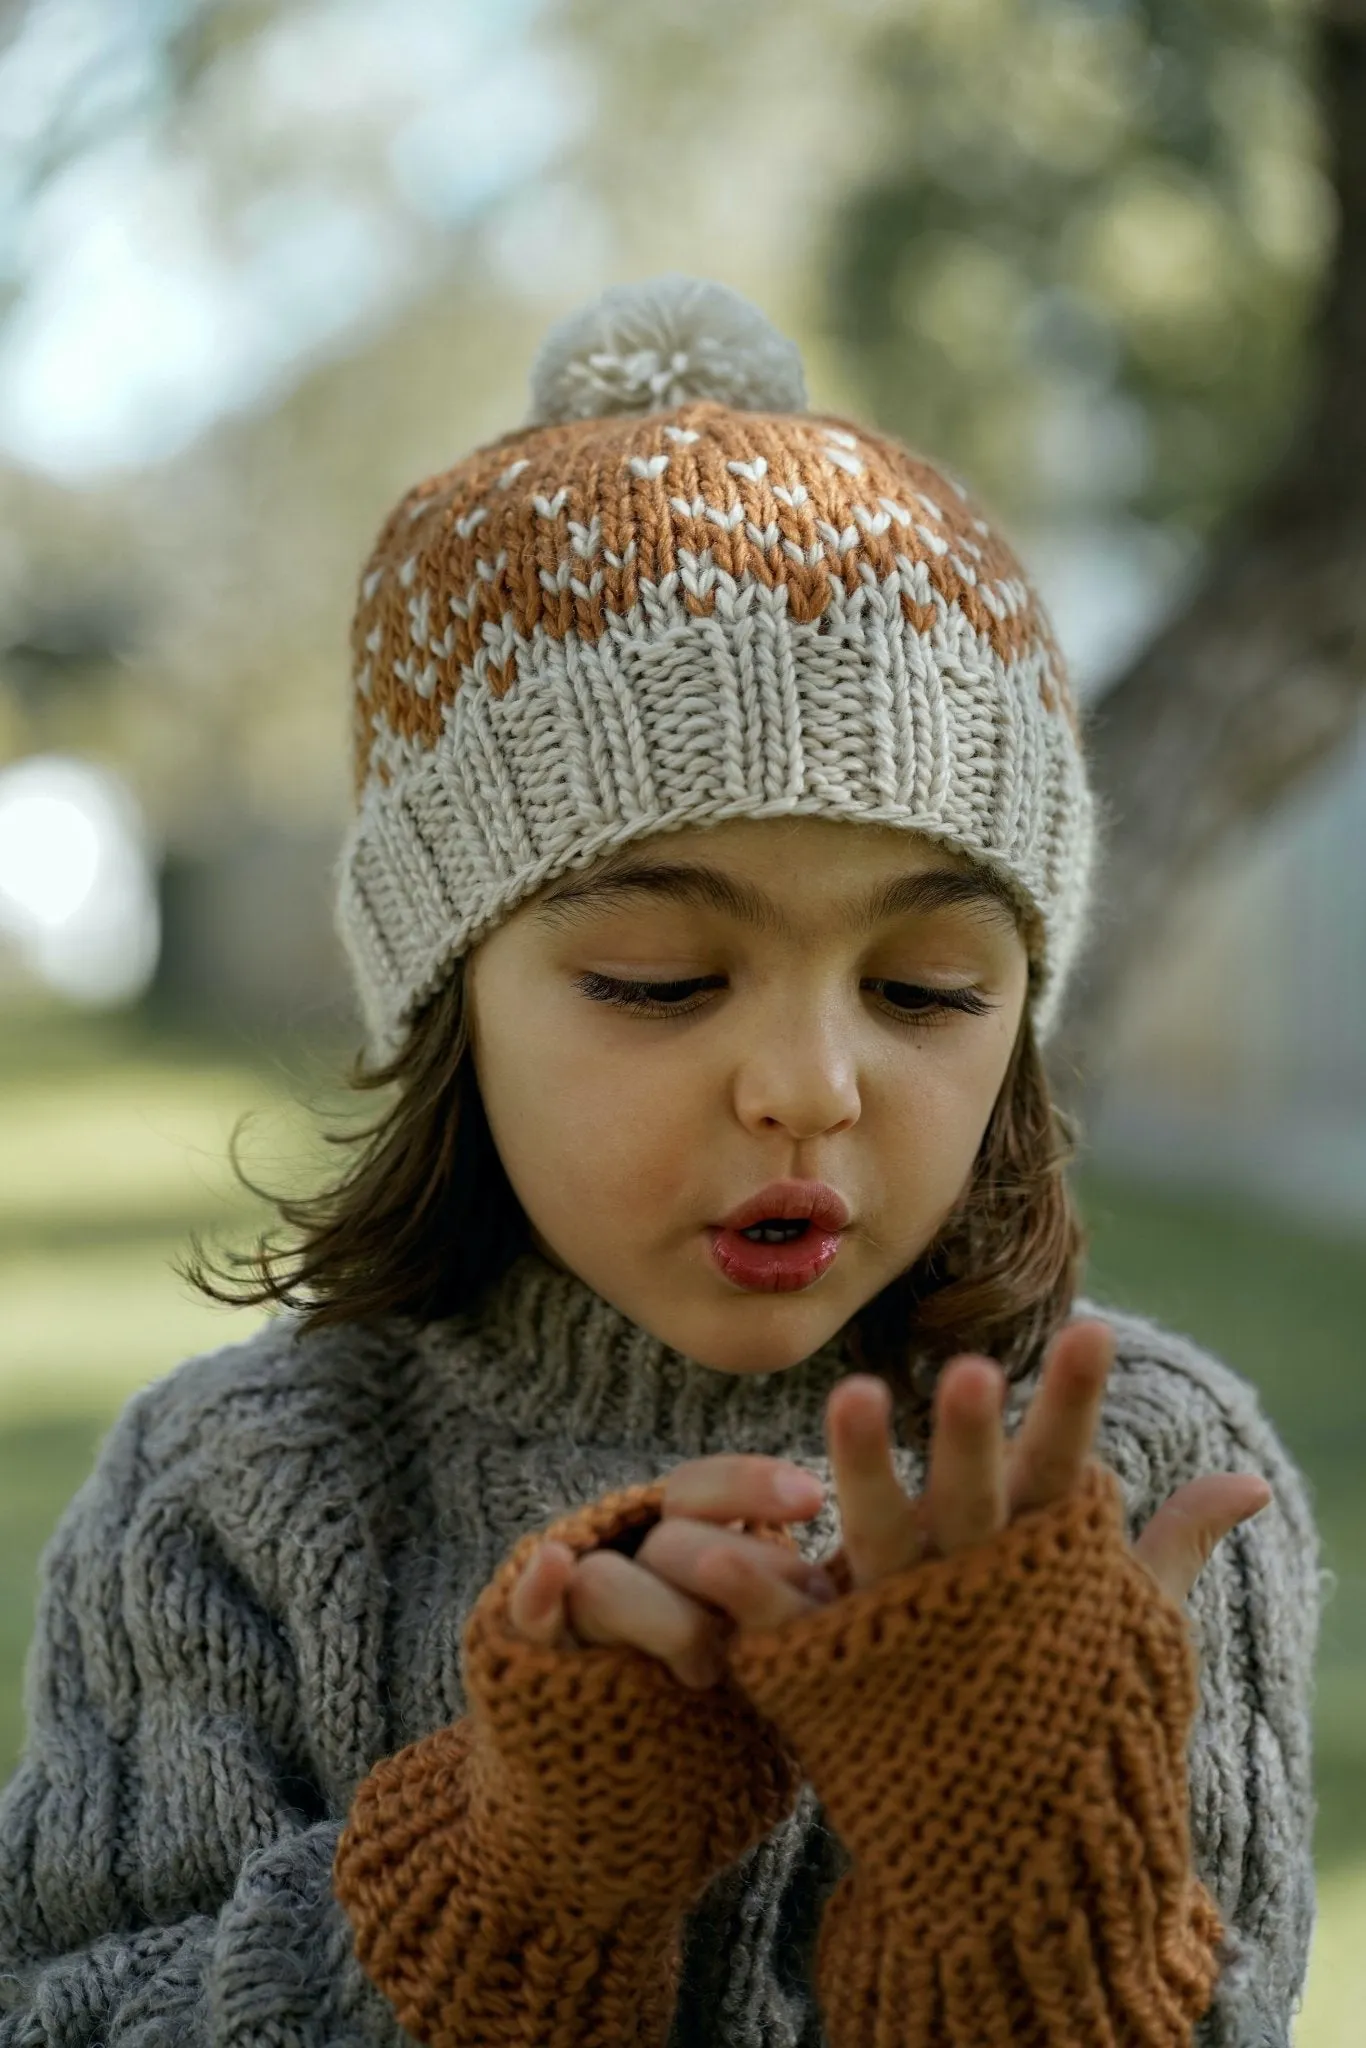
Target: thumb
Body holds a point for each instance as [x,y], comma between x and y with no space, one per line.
[1179,1540]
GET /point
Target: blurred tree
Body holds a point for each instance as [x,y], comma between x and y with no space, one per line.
[1260,677]
[245,545]
[1104,256]
[1082,267]
[1112,264]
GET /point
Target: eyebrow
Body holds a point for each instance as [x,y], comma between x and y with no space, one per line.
[693,882]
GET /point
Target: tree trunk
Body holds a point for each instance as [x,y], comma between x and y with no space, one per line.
[1261,675]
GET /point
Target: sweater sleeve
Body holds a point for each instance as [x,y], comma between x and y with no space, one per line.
[523,1875]
[1254,1613]
[999,1738]
[165,1880]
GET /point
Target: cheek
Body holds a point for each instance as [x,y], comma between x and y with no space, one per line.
[931,1117]
[930,1121]
[578,1131]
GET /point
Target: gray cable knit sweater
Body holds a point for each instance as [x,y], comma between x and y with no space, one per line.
[261,1590]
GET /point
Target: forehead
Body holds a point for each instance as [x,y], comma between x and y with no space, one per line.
[781,876]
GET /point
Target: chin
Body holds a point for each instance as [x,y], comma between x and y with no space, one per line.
[741,1345]
[753,1362]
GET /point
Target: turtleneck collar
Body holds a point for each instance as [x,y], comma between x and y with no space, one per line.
[542,1354]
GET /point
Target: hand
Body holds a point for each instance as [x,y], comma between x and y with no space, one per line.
[658,1600]
[1004,1765]
[978,1482]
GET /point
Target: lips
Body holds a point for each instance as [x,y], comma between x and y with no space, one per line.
[788,1199]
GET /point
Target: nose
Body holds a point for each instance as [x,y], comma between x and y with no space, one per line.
[798,1072]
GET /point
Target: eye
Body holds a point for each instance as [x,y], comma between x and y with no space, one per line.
[910,1004]
[653,998]
[916,1001]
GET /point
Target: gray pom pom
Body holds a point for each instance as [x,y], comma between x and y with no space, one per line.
[646,347]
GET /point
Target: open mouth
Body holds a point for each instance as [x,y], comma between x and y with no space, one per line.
[774,1255]
[777,1230]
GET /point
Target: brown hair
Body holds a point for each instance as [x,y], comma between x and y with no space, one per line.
[425,1219]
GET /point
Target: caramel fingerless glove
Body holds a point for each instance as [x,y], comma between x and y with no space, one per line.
[521,1876]
[999,1737]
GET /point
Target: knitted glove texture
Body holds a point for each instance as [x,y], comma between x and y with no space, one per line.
[521,1875]
[999,1738]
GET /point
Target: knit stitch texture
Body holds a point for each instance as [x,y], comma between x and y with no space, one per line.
[266,1592]
[999,1738]
[566,1823]
[598,629]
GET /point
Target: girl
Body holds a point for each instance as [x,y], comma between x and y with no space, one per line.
[685,1566]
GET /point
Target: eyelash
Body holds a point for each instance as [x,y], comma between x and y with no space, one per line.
[644,998]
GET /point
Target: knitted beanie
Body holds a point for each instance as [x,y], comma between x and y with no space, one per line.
[676,597]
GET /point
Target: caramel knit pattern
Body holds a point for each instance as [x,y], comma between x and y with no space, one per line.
[599,629]
[588,1799]
[568,529]
[1000,1739]
[522,1875]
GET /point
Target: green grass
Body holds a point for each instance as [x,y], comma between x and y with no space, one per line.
[41,1465]
[113,1144]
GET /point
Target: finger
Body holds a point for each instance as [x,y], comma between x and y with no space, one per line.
[683,1553]
[1049,1450]
[613,1599]
[737,1487]
[965,1494]
[880,1529]
[1178,1542]
[536,1608]
[749,1592]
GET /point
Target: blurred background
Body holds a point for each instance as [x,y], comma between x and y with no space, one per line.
[262,266]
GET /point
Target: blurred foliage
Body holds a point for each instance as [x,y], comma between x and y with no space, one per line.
[1083,258]
[1068,245]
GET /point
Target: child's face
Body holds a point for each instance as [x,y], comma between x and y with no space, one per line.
[625,1136]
